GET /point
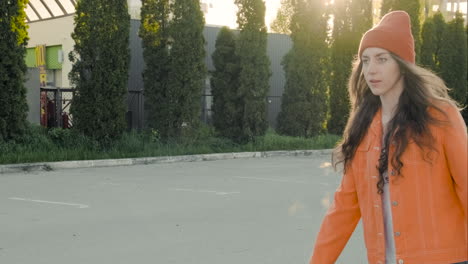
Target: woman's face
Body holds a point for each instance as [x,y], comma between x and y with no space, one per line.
[382,73]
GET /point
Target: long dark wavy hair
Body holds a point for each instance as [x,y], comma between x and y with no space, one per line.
[421,90]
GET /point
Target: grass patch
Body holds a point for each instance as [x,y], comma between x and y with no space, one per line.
[43,145]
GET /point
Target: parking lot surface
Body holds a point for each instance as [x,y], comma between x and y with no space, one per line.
[259,210]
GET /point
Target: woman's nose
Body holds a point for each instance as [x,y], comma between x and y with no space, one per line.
[371,67]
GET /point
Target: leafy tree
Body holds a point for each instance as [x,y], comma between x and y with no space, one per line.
[304,102]
[224,85]
[254,68]
[154,32]
[282,21]
[413,8]
[453,63]
[187,71]
[351,20]
[13,41]
[100,68]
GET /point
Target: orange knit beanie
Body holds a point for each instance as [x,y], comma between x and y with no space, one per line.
[393,33]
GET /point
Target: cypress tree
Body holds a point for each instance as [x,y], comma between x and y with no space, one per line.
[100,68]
[453,64]
[428,45]
[351,20]
[154,32]
[254,68]
[224,84]
[387,6]
[282,22]
[439,28]
[432,41]
[343,49]
[187,71]
[13,41]
[361,19]
[413,8]
[304,102]
[465,111]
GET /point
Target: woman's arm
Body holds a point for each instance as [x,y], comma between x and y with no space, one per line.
[339,222]
[455,148]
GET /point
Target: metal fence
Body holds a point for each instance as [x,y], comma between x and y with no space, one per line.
[135,112]
[55,107]
[273,108]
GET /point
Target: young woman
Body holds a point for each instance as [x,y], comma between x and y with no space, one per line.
[404,154]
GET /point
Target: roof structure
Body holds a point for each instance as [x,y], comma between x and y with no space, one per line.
[37,10]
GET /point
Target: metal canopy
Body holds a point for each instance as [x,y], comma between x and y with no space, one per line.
[37,10]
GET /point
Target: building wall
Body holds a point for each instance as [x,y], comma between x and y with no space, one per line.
[135,99]
[278,46]
[32,95]
[54,32]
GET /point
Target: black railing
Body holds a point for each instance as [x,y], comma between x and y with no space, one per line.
[55,107]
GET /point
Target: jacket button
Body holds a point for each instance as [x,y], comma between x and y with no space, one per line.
[394,203]
[400,261]
[397,234]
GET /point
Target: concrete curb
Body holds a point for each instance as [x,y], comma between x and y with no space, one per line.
[50,166]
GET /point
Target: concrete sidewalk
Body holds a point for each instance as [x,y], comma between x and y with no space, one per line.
[49,166]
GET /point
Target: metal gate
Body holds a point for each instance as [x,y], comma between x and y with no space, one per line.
[55,107]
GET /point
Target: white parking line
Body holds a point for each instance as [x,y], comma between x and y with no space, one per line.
[273,180]
[202,191]
[110,183]
[81,206]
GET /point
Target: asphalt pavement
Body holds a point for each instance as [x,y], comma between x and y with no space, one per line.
[248,210]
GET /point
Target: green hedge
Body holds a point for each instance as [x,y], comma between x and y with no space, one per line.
[43,145]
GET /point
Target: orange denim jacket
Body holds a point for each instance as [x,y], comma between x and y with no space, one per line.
[429,200]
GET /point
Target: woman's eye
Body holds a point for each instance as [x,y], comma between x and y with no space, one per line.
[382,59]
[365,61]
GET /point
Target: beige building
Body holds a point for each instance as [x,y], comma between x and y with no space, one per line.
[55,34]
